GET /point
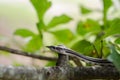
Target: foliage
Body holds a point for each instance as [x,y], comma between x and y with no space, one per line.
[89,38]
[114,56]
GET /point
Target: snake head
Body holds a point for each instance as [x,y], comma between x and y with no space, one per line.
[58,49]
[52,48]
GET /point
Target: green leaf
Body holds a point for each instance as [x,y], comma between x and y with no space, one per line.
[64,35]
[114,28]
[59,20]
[83,46]
[114,57]
[41,6]
[84,10]
[102,49]
[117,41]
[88,26]
[34,44]
[80,28]
[24,33]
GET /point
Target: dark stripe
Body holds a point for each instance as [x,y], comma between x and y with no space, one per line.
[87,58]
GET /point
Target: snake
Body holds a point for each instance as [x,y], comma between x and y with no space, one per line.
[66,51]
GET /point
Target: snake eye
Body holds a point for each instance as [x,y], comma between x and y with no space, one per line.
[57,48]
[53,47]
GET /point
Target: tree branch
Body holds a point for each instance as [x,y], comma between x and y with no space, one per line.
[57,73]
[18,52]
[62,60]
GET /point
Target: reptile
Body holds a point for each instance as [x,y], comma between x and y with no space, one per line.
[63,50]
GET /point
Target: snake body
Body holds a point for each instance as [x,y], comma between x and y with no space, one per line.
[66,51]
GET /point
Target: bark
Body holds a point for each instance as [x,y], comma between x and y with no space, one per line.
[57,73]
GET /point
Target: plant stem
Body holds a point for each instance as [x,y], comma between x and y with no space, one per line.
[104,15]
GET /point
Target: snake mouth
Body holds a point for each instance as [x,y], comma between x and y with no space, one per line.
[48,46]
[51,47]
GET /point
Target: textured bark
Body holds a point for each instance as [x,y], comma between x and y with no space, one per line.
[57,73]
[62,60]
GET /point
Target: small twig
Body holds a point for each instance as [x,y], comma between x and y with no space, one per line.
[18,52]
[95,50]
[76,61]
[101,50]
